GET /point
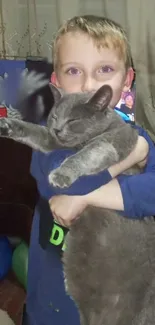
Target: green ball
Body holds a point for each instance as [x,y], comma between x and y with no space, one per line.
[20,263]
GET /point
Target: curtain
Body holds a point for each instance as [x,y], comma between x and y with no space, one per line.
[27,28]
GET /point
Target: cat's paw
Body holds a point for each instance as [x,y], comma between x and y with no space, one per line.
[5,127]
[60,178]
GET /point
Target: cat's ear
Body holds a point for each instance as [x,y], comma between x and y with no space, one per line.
[101,99]
[57,93]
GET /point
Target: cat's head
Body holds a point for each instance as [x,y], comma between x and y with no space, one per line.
[77,118]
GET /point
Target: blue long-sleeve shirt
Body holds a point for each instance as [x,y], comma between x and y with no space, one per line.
[138,191]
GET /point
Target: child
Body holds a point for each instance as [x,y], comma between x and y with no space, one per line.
[88,52]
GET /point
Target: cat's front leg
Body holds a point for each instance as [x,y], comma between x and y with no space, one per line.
[63,176]
[92,159]
[35,136]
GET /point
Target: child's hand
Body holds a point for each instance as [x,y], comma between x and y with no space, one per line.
[66,209]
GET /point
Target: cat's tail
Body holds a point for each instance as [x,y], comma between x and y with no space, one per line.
[34,98]
[32,109]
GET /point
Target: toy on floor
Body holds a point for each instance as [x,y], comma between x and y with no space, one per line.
[20,263]
[5,318]
[5,257]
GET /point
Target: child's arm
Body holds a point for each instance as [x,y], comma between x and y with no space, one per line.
[135,195]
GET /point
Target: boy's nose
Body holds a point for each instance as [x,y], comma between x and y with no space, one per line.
[88,85]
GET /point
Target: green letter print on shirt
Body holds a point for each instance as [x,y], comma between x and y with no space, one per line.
[58,236]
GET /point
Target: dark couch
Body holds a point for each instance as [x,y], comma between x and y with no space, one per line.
[18,192]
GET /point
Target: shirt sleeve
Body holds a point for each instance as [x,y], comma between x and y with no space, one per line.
[138,191]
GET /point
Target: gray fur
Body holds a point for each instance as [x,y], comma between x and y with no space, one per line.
[81,121]
[109,265]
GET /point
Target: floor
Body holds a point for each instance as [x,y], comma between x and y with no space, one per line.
[12,297]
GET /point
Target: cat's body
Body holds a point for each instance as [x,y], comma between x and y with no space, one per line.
[109,261]
[109,265]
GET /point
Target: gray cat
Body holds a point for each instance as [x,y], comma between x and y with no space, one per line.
[81,121]
[109,261]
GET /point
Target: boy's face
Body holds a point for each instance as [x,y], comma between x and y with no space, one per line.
[83,67]
[129,101]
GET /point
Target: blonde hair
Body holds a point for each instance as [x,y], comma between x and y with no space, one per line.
[104,32]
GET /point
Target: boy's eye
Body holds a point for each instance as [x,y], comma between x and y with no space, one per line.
[73,71]
[105,69]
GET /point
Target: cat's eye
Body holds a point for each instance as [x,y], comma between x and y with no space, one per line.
[72,120]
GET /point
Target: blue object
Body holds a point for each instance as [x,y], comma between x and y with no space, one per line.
[13,71]
[124,116]
[5,256]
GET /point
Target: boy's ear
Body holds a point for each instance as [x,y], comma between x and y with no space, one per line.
[53,78]
[56,93]
[55,88]
[102,98]
[129,79]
